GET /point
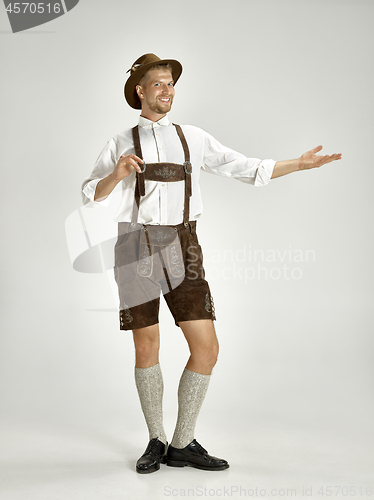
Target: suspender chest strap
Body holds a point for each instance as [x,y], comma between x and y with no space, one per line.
[163,172]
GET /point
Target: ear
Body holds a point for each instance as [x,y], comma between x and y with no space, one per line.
[139,91]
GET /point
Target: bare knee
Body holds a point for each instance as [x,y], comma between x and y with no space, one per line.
[212,354]
[215,352]
[146,355]
[147,345]
[203,343]
[205,356]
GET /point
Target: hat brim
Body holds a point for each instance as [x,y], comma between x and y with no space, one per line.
[129,90]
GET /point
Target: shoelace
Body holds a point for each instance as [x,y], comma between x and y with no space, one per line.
[153,446]
[199,447]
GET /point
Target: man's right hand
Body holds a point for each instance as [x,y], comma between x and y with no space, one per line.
[125,166]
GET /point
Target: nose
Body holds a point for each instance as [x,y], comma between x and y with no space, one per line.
[167,89]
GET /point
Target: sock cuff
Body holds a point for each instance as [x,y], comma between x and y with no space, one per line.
[195,375]
[149,369]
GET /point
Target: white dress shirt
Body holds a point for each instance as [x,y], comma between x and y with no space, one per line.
[164,201]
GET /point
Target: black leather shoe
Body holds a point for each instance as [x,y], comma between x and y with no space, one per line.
[194,455]
[151,458]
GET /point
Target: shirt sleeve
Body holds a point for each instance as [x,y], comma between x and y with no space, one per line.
[220,160]
[104,166]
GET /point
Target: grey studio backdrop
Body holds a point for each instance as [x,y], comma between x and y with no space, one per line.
[290,264]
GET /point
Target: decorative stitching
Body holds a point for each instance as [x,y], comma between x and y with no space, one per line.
[176,263]
[145,264]
[165,172]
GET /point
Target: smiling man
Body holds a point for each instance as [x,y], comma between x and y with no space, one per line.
[158,165]
[156,91]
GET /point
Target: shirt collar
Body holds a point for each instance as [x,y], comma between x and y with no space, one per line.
[145,123]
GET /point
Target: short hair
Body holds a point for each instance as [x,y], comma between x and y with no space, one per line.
[143,79]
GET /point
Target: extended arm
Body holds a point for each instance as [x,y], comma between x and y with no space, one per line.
[308,160]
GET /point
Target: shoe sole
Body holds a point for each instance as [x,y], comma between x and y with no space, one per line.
[145,471]
[183,463]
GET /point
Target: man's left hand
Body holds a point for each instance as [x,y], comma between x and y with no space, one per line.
[311,160]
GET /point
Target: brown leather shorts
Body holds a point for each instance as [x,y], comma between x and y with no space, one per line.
[154,259]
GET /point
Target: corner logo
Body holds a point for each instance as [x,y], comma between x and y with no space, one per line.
[25,15]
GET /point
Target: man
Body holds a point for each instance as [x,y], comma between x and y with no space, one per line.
[158,165]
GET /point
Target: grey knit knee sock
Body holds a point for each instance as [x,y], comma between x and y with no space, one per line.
[191,394]
[150,389]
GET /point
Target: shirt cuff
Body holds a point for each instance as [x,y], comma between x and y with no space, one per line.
[264,172]
[88,195]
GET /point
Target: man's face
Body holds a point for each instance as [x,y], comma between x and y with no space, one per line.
[156,94]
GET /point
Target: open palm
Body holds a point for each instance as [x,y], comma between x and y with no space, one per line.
[311,160]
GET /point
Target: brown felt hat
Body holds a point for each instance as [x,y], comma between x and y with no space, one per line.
[139,68]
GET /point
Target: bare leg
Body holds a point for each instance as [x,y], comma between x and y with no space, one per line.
[147,345]
[203,343]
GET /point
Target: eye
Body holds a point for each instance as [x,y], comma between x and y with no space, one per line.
[171,84]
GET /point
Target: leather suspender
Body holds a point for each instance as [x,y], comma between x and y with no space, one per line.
[166,172]
[140,185]
[187,171]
